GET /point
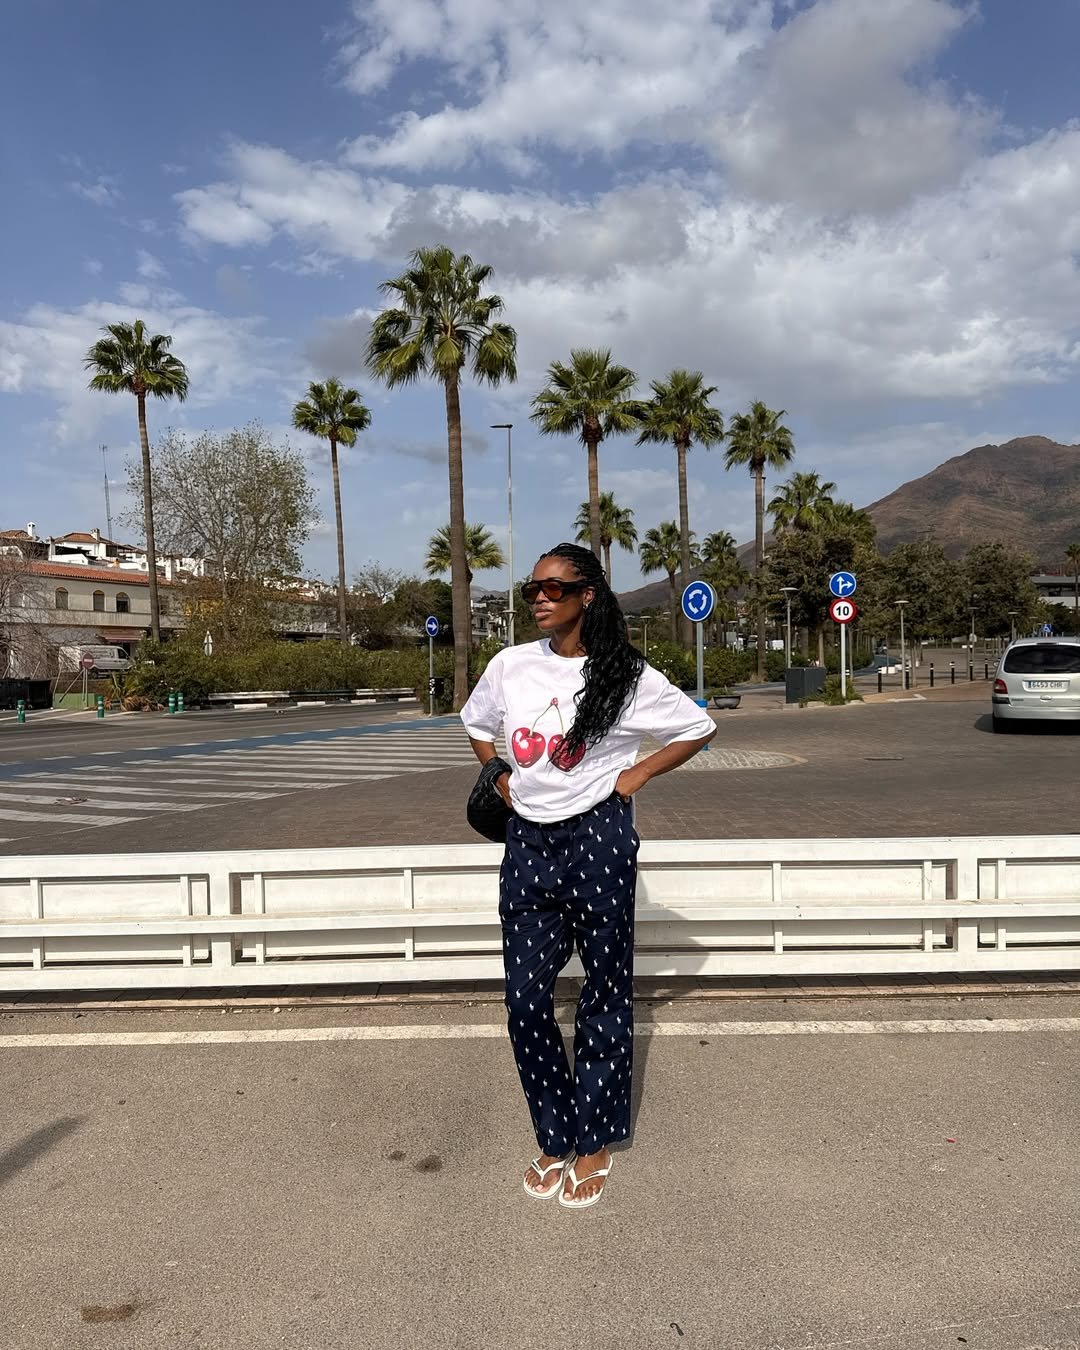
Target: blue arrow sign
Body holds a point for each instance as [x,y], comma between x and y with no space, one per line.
[698,601]
[431,626]
[843,584]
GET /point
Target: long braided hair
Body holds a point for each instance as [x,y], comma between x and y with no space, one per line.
[613,665]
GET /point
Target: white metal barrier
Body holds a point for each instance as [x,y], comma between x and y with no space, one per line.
[739,907]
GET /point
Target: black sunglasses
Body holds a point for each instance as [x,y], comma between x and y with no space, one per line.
[554,588]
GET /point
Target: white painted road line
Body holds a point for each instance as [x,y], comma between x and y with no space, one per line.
[74,785]
[39,800]
[490,1030]
[65,819]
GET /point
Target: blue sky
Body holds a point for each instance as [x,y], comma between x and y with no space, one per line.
[864,211]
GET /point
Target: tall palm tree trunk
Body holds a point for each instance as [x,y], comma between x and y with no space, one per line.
[672,605]
[607,562]
[759,562]
[343,622]
[148,514]
[1076,602]
[684,539]
[459,564]
[594,498]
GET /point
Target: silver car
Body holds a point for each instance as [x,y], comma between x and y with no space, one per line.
[1038,680]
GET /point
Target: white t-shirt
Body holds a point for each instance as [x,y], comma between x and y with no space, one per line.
[529,691]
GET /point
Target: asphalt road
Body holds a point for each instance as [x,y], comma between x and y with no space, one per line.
[891,1187]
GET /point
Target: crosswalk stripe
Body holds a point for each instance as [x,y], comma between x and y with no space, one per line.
[73,785]
[33,799]
[290,784]
[64,818]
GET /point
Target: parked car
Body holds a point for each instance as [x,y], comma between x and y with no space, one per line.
[107,660]
[1038,680]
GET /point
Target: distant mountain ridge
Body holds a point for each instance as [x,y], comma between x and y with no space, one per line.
[1025,492]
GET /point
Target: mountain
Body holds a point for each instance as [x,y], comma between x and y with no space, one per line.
[1026,491]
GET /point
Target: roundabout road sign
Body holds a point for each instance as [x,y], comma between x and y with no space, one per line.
[842,584]
[431,626]
[698,601]
[842,611]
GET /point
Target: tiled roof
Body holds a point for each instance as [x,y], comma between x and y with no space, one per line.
[112,574]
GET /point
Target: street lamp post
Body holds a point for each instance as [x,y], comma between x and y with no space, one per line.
[508,427]
[1012,624]
[903,648]
[789,591]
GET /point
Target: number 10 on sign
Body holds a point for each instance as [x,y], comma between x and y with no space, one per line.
[843,612]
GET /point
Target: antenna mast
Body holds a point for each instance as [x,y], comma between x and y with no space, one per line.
[108,506]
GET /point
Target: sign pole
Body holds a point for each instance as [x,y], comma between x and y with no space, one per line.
[431,675]
[700,661]
[843,660]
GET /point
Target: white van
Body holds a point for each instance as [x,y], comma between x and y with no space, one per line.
[106,659]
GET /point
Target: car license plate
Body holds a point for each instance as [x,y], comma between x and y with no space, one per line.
[1047,684]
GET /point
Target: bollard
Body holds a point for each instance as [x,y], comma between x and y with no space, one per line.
[952,672]
[172,704]
[101,705]
[20,709]
[180,701]
[879,681]
[986,671]
[931,674]
[971,671]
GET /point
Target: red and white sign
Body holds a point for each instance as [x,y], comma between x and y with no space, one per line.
[842,611]
[86,661]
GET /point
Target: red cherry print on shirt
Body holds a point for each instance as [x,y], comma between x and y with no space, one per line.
[564,760]
[527,746]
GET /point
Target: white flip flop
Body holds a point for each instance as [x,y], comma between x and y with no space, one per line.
[558,1165]
[577,1181]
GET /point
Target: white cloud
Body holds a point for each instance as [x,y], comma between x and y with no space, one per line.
[42,352]
[102,191]
[149,267]
[829,106]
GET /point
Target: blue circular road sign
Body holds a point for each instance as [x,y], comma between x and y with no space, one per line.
[843,585]
[698,601]
[431,626]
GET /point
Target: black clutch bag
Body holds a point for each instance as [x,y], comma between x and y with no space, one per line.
[486,811]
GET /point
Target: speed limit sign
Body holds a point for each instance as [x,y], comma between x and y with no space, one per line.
[842,611]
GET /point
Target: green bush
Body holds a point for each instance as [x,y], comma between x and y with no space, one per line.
[724,667]
[679,665]
[831,693]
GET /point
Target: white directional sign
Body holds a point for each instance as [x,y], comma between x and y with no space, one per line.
[431,626]
[842,584]
[842,611]
[698,601]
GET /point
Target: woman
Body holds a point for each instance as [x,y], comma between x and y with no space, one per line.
[575,706]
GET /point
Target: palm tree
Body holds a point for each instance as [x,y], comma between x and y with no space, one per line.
[129,362]
[758,440]
[841,517]
[661,551]
[680,412]
[334,414]
[589,398]
[721,568]
[616,527]
[802,503]
[441,324]
[1072,553]
[482,553]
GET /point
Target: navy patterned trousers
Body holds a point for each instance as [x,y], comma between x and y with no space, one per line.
[572,882]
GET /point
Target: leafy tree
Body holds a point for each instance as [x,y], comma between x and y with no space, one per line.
[931,583]
[758,440]
[661,551]
[334,414]
[1072,553]
[441,325]
[616,527]
[589,398]
[482,554]
[997,579]
[840,517]
[802,503]
[680,413]
[243,505]
[127,361]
